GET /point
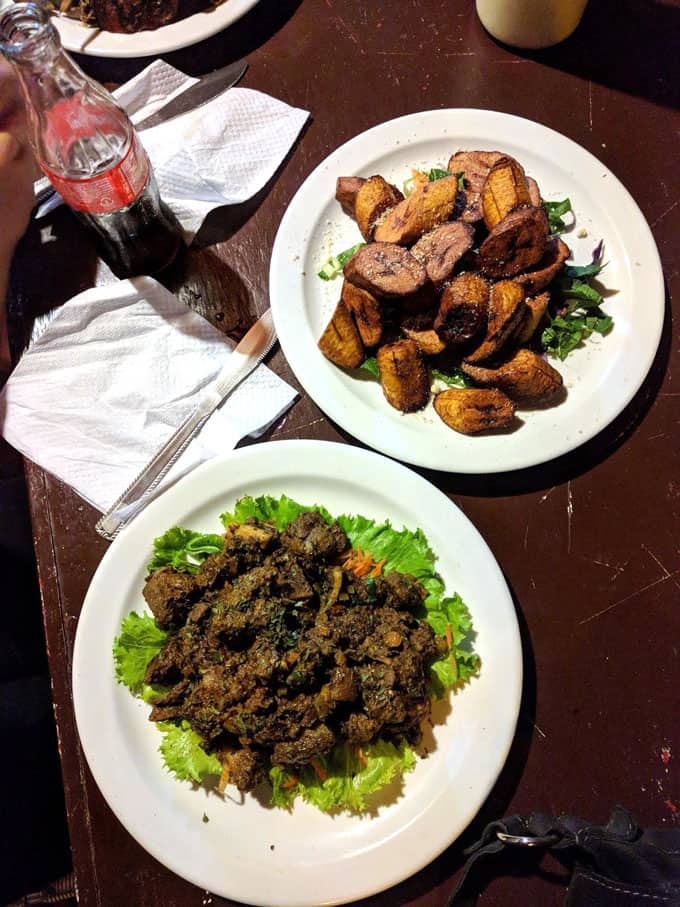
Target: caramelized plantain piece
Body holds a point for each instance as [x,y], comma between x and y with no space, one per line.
[403,375]
[534,309]
[472,410]
[506,310]
[421,301]
[428,340]
[367,311]
[418,327]
[425,208]
[374,198]
[463,309]
[441,249]
[525,377]
[504,190]
[514,244]
[346,189]
[547,269]
[474,166]
[385,269]
[340,342]
[534,192]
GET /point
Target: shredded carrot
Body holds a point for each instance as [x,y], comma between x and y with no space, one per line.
[319,771]
[377,570]
[291,782]
[361,563]
[224,779]
[449,635]
[419,178]
[454,666]
[363,761]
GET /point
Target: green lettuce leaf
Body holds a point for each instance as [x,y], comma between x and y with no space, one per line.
[461,662]
[183,754]
[370,365]
[139,641]
[332,268]
[277,511]
[183,549]
[453,376]
[556,212]
[348,778]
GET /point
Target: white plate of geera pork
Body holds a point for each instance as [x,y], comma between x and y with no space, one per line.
[422,282]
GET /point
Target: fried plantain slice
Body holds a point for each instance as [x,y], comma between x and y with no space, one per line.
[385,269]
[374,198]
[340,341]
[346,189]
[470,410]
[525,377]
[504,190]
[367,311]
[534,309]
[425,208]
[441,249]
[403,375]
[462,312]
[547,269]
[514,244]
[534,192]
[506,310]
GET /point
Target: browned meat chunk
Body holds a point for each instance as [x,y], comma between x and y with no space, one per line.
[170,595]
[403,375]
[385,269]
[547,269]
[471,411]
[425,208]
[310,743]
[506,311]
[341,341]
[134,15]
[515,244]
[367,311]
[346,188]
[216,569]
[401,592]
[442,248]
[246,769]
[525,377]
[375,197]
[463,309]
[310,536]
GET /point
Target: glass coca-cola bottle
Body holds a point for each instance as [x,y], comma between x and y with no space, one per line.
[88,148]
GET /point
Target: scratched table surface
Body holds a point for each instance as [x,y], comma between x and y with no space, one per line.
[588,543]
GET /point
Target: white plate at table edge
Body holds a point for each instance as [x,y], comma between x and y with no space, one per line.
[93,42]
[601,377]
[315,858]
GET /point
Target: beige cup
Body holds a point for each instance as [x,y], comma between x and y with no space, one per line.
[530,23]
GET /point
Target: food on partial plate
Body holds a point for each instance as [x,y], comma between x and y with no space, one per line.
[463,281]
[128,16]
[295,650]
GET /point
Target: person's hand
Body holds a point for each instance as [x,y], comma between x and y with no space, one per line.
[16,165]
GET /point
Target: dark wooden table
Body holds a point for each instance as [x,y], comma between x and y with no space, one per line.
[589,543]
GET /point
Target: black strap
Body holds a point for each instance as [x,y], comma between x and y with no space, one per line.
[616,865]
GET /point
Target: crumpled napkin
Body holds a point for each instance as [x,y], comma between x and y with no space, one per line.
[221,153]
[110,379]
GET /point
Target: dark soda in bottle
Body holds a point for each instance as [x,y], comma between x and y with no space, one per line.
[88,148]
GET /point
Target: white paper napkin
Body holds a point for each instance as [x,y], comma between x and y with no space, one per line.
[111,378]
[219,154]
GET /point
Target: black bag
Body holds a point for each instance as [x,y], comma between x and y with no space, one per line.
[616,865]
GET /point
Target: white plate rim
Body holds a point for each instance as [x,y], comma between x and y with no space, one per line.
[93,42]
[377,867]
[381,427]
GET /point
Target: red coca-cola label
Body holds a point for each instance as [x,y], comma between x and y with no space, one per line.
[115,188]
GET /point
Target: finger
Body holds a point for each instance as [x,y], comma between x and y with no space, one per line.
[11,148]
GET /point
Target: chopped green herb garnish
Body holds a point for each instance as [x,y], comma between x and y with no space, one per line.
[575,309]
[436,174]
[371,365]
[556,212]
[333,267]
[453,376]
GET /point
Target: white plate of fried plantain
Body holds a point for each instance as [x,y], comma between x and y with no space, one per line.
[423,421]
